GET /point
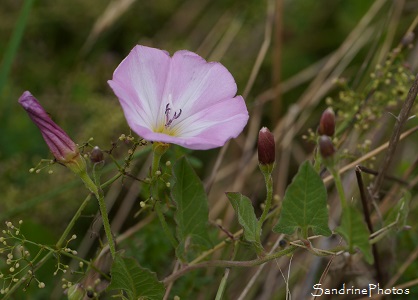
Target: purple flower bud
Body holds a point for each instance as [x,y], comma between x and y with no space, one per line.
[327,123]
[266,147]
[96,155]
[59,143]
[326,148]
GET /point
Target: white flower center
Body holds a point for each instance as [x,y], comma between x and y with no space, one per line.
[167,123]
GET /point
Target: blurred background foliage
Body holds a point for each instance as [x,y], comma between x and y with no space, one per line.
[69,49]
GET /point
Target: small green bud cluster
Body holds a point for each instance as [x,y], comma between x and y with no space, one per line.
[389,85]
[63,267]
[43,164]
[17,258]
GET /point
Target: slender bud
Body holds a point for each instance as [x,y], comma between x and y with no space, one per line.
[326,148]
[327,123]
[266,150]
[60,144]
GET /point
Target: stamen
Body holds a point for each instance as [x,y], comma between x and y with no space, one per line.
[167,109]
[169,121]
[176,116]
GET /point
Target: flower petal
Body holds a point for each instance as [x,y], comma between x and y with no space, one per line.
[139,83]
[210,128]
[194,84]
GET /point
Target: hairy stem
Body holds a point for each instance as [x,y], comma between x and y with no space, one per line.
[97,191]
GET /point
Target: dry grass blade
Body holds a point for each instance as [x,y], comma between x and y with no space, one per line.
[113,11]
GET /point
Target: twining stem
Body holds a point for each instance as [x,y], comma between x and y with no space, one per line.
[98,192]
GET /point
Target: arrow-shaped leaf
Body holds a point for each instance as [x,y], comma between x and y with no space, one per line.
[192,212]
[137,282]
[304,204]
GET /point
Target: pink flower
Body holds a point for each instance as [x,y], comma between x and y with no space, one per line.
[181,99]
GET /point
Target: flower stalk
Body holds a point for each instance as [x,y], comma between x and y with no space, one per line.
[98,193]
[158,150]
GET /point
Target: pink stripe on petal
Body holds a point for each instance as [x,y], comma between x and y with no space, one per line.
[139,82]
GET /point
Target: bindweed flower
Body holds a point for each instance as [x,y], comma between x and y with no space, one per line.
[182,99]
[60,144]
[327,123]
[266,150]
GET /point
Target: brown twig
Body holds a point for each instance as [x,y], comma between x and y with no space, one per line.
[366,211]
[400,122]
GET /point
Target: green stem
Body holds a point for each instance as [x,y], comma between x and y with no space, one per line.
[97,191]
[269,187]
[229,263]
[72,222]
[155,163]
[339,186]
[158,150]
[222,286]
[317,162]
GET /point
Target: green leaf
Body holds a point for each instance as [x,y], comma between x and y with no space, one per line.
[354,231]
[192,211]
[304,204]
[137,282]
[246,216]
[399,213]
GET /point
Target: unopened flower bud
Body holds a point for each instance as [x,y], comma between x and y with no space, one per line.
[96,155]
[326,148]
[266,150]
[59,143]
[266,147]
[327,123]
